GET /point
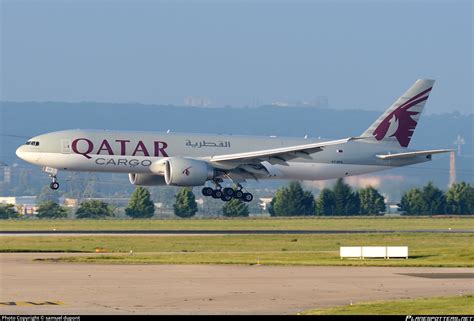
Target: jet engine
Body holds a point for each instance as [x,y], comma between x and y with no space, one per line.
[146,179]
[187,172]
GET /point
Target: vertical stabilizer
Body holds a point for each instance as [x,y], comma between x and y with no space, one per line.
[399,121]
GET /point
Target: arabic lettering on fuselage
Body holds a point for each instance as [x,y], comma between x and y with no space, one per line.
[207,144]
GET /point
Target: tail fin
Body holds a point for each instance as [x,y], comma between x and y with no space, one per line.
[399,121]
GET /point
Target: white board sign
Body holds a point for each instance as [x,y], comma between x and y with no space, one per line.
[350,251]
[384,252]
[374,251]
[397,251]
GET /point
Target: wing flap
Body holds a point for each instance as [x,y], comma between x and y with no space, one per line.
[280,155]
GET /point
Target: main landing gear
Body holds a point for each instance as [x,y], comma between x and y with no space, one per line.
[227,193]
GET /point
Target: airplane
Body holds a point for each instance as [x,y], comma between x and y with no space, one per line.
[183,159]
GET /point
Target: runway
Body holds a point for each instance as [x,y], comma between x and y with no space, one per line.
[218,232]
[32,287]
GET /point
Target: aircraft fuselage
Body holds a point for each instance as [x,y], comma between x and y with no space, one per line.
[135,152]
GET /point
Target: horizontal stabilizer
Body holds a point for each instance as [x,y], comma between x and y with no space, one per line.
[414,154]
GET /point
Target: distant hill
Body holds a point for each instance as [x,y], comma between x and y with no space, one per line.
[434,131]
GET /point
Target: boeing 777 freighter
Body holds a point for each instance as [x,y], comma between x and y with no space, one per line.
[180,159]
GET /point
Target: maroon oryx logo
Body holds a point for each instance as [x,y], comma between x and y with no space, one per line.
[186,171]
[401,122]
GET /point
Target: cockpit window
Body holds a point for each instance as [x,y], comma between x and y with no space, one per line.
[28,143]
[32,143]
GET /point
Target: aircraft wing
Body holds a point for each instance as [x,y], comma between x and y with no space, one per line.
[414,154]
[278,155]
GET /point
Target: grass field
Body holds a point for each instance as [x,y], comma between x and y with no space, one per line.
[427,249]
[459,305]
[313,223]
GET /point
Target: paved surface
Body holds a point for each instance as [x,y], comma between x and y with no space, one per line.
[207,289]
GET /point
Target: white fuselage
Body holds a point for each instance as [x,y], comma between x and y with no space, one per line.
[135,152]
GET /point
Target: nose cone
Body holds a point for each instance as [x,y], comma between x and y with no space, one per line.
[25,153]
[20,152]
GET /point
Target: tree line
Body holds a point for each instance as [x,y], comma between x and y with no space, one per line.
[139,206]
[340,200]
[291,200]
[459,199]
[343,200]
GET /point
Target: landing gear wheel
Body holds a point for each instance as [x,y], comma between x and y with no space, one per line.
[217,193]
[228,191]
[207,191]
[238,194]
[54,185]
[226,198]
[247,197]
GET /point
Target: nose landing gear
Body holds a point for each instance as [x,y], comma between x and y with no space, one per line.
[54,184]
[54,179]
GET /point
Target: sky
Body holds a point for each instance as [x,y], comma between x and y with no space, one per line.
[359,54]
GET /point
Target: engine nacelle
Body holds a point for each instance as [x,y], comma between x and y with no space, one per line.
[187,172]
[146,179]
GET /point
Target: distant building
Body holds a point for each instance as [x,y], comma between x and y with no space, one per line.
[117,201]
[71,202]
[24,205]
[393,209]
[280,103]
[317,102]
[197,102]
[263,203]
[200,201]
[7,175]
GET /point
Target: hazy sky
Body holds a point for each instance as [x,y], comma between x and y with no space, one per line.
[359,54]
